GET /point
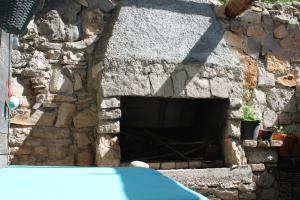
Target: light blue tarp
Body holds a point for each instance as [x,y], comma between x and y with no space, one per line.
[90,183]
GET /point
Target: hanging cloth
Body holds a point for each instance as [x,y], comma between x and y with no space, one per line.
[16,14]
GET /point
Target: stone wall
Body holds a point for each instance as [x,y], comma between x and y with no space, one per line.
[56,120]
[4,80]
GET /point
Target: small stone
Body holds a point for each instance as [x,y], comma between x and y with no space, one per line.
[60,83]
[139,164]
[265,180]
[259,97]
[81,139]
[276,143]
[86,118]
[167,165]
[266,79]
[261,155]
[198,88]
[247,187]
[256,31]
[235,153]
[250,72]
[276,65]
[247,195]
[233,129]
[109,114]
[109,127]
[266,18]
[270,118]
[47,119]
[258,167]
[108,151]
[181,165]
[65,114]
[77,82]
[288,80]
[250,143]
[195,164]
[220,87]
[233,40]
[92,22]
[110,103]
[250,16]
[220,11]
[280,32]
[51,26]
[85,158]
[72,33]
[154,165]
[235,102]
[53,54]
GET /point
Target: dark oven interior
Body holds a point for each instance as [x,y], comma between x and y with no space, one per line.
[169,129]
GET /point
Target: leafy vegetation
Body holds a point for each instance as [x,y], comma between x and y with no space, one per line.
[288,129]
[267,1]
[248,114]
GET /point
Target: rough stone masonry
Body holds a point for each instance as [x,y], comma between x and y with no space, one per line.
[78,58]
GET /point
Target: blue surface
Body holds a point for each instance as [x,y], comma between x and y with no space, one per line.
[85,183]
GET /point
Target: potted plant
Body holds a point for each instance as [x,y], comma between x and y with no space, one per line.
[16,14]
[289,135]
[250,124]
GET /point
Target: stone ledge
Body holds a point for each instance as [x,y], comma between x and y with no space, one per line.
[265,143]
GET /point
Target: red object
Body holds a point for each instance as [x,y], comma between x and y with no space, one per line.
[289,142]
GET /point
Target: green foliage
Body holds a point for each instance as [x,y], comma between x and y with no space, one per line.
[248,114]
[288,129]
[266,1]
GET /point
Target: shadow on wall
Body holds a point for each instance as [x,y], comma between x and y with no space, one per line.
[50,146]
[146,184]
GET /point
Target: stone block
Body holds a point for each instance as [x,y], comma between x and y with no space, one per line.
[247,195]
[181,165]
[276,65]
[85,158]
[265,180]
[247,187]
[51,133]
[234,153]
[265,79]
[233,40]
[258,167]
[105,114]
[250,72]
[270,118]
[81,139]
[108,127]
[235,103]
[108,151]
[85,118]
[261,155]
[65,114]
[220,87]
[233,129]
[195,164]
[280,99]
[167,165]
[198,88]
[154,165]
[227,194]
[3,161]
[110,103]
[250,143]
[250,16]
[3,143]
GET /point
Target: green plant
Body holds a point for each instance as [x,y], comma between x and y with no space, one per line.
[248,114]
[292,129]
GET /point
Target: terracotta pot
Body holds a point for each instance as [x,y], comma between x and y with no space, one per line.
[289,142]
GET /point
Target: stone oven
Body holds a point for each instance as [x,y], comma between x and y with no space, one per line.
[170,76]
